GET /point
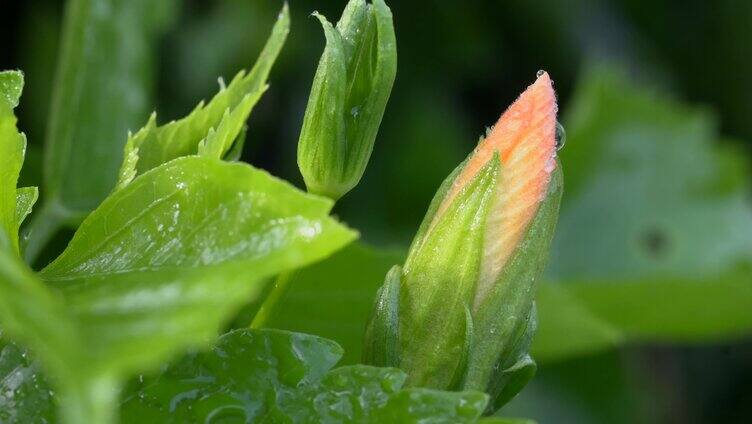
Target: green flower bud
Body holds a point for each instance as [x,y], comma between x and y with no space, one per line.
[347,101]
[460,313]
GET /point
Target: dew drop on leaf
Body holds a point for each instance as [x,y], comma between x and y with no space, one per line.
[561,136]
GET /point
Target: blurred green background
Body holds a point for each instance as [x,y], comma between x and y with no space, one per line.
[657,104]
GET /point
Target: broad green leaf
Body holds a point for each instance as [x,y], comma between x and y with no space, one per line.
[12,149]
[197,211]
[143,272]
[212,128]
[653,194]
[158,267]
[655,236]
[276,376]
[601,314]
[102,90]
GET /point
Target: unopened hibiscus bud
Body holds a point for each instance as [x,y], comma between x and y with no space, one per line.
[347,101]
[460,313]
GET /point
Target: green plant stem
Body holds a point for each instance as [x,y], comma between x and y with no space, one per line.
[264,312]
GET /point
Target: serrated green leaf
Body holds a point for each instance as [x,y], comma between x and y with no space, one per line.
[276,376]
[236,150]
[218,143]
[210,129]
[144,263]
[198,211]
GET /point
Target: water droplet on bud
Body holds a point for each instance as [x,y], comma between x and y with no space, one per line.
[561,136]
[540,73]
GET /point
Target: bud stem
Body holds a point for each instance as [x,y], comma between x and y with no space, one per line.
[271,301]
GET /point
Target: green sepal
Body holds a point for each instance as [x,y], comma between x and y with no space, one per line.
[507,312]
[381,347]
[517,376]
[459,373]
[517,369]
[438,198]
[433,207]
[438,284]
[348,97]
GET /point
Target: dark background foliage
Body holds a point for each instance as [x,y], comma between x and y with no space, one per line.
[460,64]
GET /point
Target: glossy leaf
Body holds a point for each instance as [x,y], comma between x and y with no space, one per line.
[142,266]
[276,376]
[212,128]
[198,211]
[158,267]
[25,395]
[597,315]
[12,150]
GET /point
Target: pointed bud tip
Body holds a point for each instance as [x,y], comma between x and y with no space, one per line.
[524,137]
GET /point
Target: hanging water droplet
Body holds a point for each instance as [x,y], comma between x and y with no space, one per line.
[561,136]
[540,73]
